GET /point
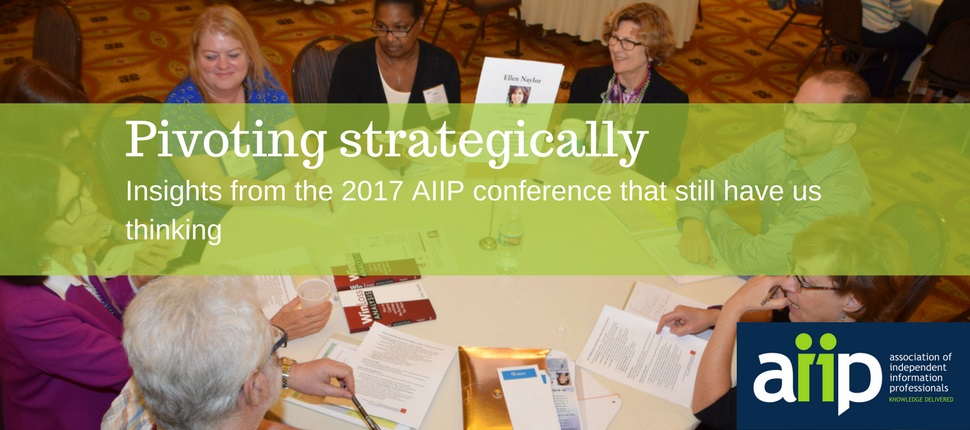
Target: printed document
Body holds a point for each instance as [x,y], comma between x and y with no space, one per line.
[665,251]
[337,350]
[652,302]
[397,374]
[624,348]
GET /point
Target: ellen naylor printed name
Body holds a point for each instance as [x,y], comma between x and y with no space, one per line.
[522,79]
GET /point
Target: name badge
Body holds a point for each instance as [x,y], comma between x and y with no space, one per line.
[239,167]
[436,101]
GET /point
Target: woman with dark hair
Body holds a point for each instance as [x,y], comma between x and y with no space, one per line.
[640,37]
[396,67]
[844,244]
[518,95]
[35,81]
[61,360]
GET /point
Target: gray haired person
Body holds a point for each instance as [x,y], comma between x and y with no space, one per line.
[204,355]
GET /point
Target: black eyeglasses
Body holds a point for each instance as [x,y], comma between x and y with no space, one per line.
[627,44]
[800,280]
[382,30]
[72,213]
[281,342]
[791,108]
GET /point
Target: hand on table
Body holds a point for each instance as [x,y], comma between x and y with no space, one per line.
[312,180]
[684,320]
[694,246]
[606,166]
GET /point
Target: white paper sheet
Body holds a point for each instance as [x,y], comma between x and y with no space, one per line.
[597,405]
[665,250]
[342,409]
[397,374]
[528,397]
[652,302]
[624,348]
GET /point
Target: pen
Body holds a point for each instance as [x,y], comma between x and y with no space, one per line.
[330,203]
[771,293]
[360,408]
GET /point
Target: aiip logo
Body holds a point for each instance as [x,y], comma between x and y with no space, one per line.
[835,369]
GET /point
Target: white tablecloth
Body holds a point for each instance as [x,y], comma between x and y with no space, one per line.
[923,11]
[584,18]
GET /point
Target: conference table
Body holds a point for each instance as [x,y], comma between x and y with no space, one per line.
[555,312]
[584,18]
[475,306]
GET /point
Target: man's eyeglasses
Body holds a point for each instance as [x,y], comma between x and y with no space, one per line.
[281,342]
[791,108]
[801,282]
[74,208]
[627,44]
[382,30]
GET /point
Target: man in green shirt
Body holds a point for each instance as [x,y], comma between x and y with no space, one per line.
[810,155]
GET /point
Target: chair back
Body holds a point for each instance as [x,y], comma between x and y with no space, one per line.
[313,69]
[57,38]
[113,139]
[807,7]
[949,62]
[842,20]
[923,230]
[925,233]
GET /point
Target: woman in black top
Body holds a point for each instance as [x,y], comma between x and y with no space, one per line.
[640,37]
[395,67]
[841,244]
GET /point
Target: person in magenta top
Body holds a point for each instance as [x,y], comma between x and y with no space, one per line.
[61,358]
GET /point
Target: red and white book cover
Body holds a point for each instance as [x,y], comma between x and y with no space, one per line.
[363,274]
[391,305]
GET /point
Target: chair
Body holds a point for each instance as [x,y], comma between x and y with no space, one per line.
[925,233]
[112,142]
[430,4]
[796,9]
[57,38]
[483,8]
[948,64]
[138,98]
[313,69]
[842,25]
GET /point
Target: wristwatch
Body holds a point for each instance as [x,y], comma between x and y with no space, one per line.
[286,363]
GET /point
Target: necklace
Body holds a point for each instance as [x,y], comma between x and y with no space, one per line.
[616,95]
[393,68]
[622,106]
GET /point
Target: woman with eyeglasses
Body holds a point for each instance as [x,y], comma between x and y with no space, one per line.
[639,37]
[395,67]
[843,244]
[61,359]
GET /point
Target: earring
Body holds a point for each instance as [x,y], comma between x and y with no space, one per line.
[843,317]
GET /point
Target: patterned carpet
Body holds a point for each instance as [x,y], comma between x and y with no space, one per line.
[140,47]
